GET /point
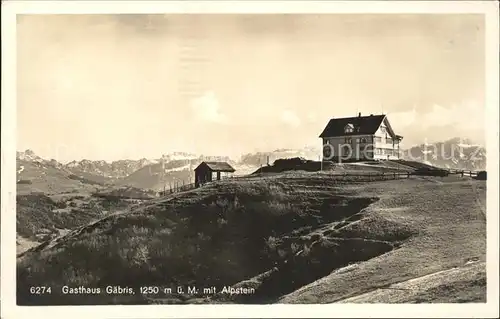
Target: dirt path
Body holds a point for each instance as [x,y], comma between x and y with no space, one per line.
[412,288]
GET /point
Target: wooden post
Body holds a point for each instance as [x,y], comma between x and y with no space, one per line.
[394,175]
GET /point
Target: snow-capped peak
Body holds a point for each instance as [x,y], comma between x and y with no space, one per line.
[28,155]
[175,156]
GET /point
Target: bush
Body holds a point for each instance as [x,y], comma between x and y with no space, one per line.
[292,164]
[61,204]
[481,175]
[430,172]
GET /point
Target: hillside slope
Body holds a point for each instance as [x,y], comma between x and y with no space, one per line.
[41,217]
[450,216]
[45,178]
[35,174]
[275,235]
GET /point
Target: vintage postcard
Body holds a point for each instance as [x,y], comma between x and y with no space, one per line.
[184,159]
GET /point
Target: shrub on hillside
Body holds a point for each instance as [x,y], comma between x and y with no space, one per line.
[61,204]
[85,180]
[35,212]
[481,175]
[293,164]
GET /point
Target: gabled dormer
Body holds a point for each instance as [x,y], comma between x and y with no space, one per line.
[349,128]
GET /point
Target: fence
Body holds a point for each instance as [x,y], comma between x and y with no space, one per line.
[463,172]
[176,187]
[351,177]
[370,177]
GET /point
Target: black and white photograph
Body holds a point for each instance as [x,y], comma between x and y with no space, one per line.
[251,158]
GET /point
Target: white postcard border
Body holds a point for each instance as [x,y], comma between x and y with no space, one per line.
[8,185]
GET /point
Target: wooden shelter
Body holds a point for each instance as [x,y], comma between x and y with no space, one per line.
[204,173]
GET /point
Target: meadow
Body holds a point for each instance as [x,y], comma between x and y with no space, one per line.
[293,237]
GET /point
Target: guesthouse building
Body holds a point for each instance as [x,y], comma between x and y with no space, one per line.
[360,138]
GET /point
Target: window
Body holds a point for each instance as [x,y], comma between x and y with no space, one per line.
[327,142]
[349,128]
[363,140]
[382,129]
[346,150]
[378,139]
[348,140]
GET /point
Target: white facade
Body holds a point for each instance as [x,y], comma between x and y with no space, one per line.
[383,145]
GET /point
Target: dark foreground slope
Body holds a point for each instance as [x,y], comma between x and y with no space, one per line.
[272,235]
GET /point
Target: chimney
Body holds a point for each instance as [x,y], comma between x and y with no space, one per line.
[359,114]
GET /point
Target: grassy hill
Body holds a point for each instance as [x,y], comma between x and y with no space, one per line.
[41,217]
[354,167]
[155,177]
[293,237]
[43,177]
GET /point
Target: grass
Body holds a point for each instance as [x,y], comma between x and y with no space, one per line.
[40,217]
[86,180]
[465,284]
[125,193]
[276,233]
[217,235]
[43,178]
[451,230]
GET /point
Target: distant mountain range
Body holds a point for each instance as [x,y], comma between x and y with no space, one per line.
[455,153]
[262,158]
[177,168]
[168,170]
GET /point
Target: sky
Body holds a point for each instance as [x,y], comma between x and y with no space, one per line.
[108,87]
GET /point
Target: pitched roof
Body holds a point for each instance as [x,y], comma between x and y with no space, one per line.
[366,124]
[217,166]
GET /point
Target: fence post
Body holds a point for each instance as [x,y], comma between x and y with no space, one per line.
[394,175]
